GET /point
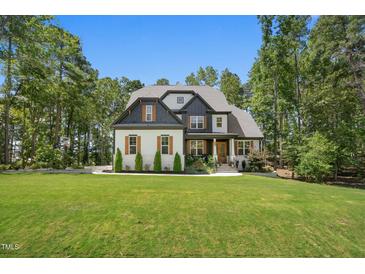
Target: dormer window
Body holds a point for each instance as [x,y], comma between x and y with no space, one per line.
[219,122]
[148,113]
[180,100]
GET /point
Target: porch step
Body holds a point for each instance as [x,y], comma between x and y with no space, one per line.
[225,168]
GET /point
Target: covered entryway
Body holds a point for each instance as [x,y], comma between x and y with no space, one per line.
[221,148]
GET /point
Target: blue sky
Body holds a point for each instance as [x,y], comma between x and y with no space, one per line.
[152,47]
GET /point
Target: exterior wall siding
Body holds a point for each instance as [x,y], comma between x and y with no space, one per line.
[224,127]
[162,115]
[149,146]
[197,108]
[171,100]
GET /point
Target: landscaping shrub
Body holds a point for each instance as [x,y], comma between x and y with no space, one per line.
[39,165]
[243,163]
[52,157]
[67,159]
[316,158]
[177,163]
[118,163]
[256,161]
[157,165]
[211,162]
[189,160]
[17,165]
[138,163]
[147,167]
[200,164]
[206,158]
[4,167]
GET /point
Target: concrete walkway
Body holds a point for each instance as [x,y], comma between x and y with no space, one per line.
[161,174]
[226,169]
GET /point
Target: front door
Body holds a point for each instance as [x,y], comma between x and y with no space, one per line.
[222,152]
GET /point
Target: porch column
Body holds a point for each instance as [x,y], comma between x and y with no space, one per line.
[231,149]
[215,157]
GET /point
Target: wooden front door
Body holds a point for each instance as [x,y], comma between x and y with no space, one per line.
[222,151]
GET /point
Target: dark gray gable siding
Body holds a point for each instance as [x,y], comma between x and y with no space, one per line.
[197,108]
[163,116]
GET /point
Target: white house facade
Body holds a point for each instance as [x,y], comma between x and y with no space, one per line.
[131,141]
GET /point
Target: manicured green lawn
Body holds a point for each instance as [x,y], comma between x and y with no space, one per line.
[153,216]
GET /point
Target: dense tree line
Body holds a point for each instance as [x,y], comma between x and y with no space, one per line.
[308,84]
[54,108]
[236,92]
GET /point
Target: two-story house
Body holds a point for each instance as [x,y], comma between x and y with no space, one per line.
[194,120]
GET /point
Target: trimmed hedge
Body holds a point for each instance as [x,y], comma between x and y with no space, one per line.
[157,165]
[118,164]
[139,162]
[177,163]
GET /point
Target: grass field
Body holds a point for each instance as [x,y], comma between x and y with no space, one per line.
[153,216]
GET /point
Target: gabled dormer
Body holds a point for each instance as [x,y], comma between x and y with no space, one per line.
[197,115]
[148,112]
[176,100]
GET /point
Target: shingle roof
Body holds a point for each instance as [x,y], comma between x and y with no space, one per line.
[240,121]
[214,97]
[243,124]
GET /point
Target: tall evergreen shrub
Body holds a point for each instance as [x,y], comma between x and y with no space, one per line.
[118,163]
[157,165]
[139,162]
[177,163]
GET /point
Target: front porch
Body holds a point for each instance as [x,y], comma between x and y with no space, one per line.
[220,146]
[226,149]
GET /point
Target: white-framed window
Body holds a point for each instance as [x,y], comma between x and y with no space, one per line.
[240,148]
[180,100]
[164,144]
[197,122]
[196,147]
[219,122]
[148,113]
[132,144]
[248,147]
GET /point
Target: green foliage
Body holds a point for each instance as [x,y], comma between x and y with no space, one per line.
[192,80]
[138,162]
[118,163]
[163,82]
[4,167]
[304,82]
[177,163]
[50,156]
[291,154]
[204,76]
[211,163]
[200,164]
[58,94]
[256,162]
[157,165]
[316,158]
[17,165]
[230,85]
